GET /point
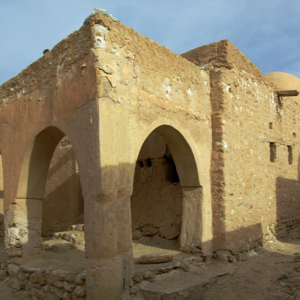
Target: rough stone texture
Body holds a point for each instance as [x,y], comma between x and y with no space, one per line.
[222,54]
[253,198]
[107,90]
[130,108]
[47,283]
[156,202]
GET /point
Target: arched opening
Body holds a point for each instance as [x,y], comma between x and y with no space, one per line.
[63,202]
[49,199]
[166,192]
[156,202]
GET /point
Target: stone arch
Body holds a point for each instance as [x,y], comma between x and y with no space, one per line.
[25,215]
[187,169]
[36,163]
[181,150]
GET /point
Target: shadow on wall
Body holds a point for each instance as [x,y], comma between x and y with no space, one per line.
[25,232]
[288,206]
[244,238]
[156,202]
[63,201]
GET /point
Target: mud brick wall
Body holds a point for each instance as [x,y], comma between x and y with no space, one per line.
[255,158]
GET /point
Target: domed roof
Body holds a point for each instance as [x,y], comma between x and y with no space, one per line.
[284,81]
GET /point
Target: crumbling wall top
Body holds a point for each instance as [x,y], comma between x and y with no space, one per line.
[221,54]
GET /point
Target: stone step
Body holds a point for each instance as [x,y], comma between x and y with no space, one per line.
[181,285]
[73,236]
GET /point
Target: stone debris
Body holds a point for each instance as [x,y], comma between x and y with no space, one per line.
[155,258]
[58,245]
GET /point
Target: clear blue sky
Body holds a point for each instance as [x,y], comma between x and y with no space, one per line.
[267,32]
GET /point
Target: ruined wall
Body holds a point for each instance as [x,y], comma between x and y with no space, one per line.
[156,202]
[63,202]
[254,197]
[1,199]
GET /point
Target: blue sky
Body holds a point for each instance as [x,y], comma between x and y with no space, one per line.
[267,32]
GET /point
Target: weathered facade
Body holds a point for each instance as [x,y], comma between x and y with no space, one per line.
[197,146]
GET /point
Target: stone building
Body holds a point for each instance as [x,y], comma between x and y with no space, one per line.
[198,147]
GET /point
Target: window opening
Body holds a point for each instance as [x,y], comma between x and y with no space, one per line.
[290,154]
[272,152]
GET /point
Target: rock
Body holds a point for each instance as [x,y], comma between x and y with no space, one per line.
[185,265]
[21,275]
[62,247]
[241,256]
[80,291]
[3,274]
[223,255]
[69,286]
[70,277]
[155,258]
[137,278]
[150,230]
[12,270]
[67,296]
[79,279]
[15,285]
[232,259]
[137,234]
[147,274]
[252,253]
[170,232]
[59,284]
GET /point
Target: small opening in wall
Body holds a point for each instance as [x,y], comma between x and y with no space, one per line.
[294,134]
[272,152]
[140,164]
[270,125]
[290,154]
[148,162]
[172,174]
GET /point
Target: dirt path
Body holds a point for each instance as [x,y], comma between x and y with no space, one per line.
[274,273]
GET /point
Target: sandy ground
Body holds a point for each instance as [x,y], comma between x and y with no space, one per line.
[274,273]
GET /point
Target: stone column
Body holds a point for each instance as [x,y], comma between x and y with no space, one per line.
[23,222]
[107,245]
[191,230]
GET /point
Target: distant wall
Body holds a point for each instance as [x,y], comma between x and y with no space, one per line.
[156,202]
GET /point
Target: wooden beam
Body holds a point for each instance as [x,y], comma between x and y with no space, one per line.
[288,93]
